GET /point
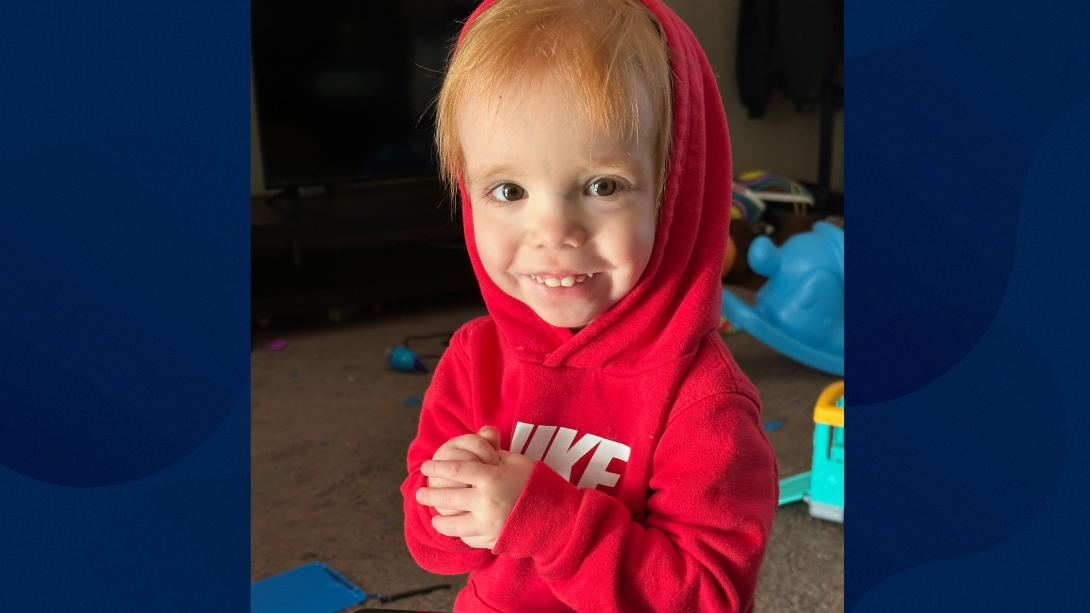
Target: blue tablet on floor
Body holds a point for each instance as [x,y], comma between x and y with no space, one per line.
[311,588]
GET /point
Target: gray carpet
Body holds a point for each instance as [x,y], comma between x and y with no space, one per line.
[331,425]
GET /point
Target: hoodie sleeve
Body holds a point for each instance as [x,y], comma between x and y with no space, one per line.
[714,492]
[447,413]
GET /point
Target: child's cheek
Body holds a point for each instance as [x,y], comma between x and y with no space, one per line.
[496,263]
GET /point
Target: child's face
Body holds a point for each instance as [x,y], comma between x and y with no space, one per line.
[564,218]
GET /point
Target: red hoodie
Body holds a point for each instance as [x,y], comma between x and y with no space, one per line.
[655,485]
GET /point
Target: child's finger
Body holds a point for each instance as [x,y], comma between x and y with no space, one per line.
[474,446]
[457,498]
[456,526]
[480,447]
[470,473]
[509,458]
[479,542]
[492,435]
[437,483]
[455,453]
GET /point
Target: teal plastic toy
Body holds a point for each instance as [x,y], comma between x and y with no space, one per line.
[800,310]
[404,359]
[823,487]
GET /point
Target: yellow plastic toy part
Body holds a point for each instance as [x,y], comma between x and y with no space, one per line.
[826,411]
[749,175]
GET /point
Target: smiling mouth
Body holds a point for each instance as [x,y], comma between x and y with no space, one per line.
[557,281]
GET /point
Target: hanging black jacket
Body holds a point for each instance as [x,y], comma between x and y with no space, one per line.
[791,44]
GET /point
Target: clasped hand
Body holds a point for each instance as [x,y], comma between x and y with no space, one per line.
[473,485]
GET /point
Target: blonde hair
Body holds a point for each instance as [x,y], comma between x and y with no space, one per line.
[602,51]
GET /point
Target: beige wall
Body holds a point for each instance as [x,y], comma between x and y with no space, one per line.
[782,142]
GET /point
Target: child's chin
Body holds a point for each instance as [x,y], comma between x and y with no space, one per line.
[565,320]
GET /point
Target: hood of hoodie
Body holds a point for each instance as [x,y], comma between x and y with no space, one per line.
[677,299]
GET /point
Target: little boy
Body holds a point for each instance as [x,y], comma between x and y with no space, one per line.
[590,445]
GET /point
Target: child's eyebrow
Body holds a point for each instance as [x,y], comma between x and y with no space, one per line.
[508,169]
[490,171]
[612,162]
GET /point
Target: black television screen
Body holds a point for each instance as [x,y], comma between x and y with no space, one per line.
[345,89]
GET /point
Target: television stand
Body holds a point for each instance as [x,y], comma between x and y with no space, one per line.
[358,245]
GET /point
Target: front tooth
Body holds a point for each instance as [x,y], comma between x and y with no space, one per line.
[590,274]
[580,278]
[551,282]
[568,281]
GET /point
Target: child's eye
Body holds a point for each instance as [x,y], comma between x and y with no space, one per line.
[603,187]
[508,192]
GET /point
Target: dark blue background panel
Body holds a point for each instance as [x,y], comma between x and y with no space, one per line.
[968,494]
[966,140]
[939,132]
[124,306]
[178,540]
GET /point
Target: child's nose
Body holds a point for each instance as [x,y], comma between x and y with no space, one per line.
[557,226]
